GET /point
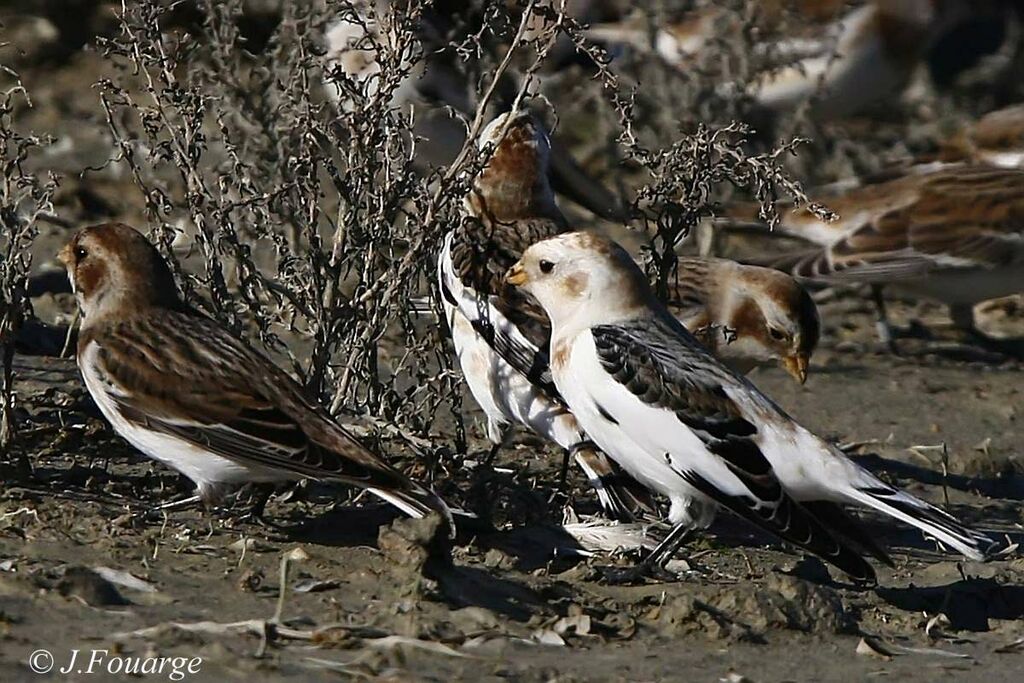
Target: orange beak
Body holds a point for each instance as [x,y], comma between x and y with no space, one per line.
[516,275]
[796,365]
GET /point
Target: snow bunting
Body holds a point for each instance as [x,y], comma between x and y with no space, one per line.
[439,95]
[842,62]
[997,138]
[955,235]
[746,315]
[684,425]
[186,393]
[501,341]
[867,55]
[677,42]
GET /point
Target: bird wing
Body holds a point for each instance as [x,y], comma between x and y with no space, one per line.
[657,362]
[201,385]
[962,217]
[510,321]
[689,291]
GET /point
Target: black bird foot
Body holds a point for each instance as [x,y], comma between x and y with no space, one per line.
[488,460]
[255,517]
[639,573]
[653,565]
[261,493]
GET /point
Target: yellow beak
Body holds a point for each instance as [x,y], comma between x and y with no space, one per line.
[516,275]
[796,365]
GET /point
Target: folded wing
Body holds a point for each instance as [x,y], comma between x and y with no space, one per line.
[656,361]
[211,391]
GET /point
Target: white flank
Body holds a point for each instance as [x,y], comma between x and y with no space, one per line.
[505,395]
[207,470]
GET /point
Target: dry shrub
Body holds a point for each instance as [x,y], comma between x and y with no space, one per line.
[24,198]
[307,223]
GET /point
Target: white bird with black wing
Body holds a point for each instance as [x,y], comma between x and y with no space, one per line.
[501,341]
[686,426]
[745,314]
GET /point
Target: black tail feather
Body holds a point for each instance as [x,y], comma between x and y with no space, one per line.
[936,522]
[788,520]
[842,523]
[622,497]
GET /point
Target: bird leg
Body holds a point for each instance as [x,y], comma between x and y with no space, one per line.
[653,565]
[882,325]
[963,319]
[499,436]
[563,473]
[491,454]
[261,494]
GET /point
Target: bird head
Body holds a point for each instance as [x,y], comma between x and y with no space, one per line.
[515,181]
[569,272]
[771,318]
[113,267]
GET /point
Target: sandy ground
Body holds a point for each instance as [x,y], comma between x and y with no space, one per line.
[83,567]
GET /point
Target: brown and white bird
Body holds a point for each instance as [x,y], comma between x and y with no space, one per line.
[681,423]
[501,342]
[840,62]
[188,394]
[997,138]
[439,95]
[747,315]
[955,235]
[679,40]
[867,55]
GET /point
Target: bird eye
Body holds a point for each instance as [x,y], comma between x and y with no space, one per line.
[80,253]
[776,334]
[546,266]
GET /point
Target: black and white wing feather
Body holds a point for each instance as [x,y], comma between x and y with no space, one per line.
[657,362]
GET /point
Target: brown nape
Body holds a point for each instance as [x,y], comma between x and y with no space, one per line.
[513,184]
[636,290]
[792,295]
[785,289]
[602,245]
[120,251]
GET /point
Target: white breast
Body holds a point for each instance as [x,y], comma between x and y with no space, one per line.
[648,442]
[210,472]
[505,395]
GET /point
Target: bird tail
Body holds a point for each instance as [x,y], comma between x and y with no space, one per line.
[622,498]
[937,523]
[791,522]
[842,523]
[417,502]
[569,179]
